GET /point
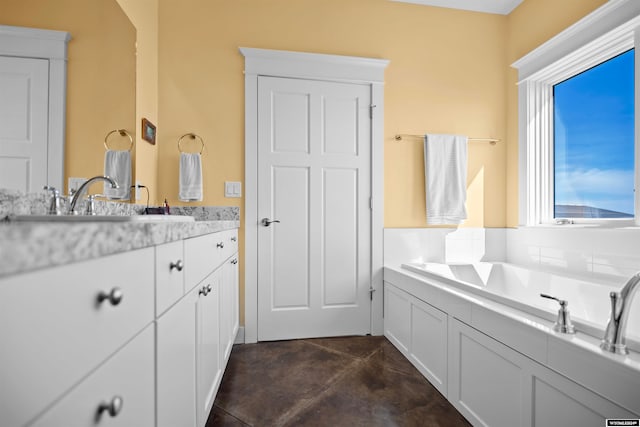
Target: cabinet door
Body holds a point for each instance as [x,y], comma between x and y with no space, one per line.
[561,402]
[176,364]
[397,317]
[489,383]
[169,275]
[228,307]
[208,366]
[126,377]
[428,348]
[235,298]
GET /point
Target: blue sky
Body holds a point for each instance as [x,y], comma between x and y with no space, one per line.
[594,133]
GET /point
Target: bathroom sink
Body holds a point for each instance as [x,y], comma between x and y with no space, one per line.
[103,218]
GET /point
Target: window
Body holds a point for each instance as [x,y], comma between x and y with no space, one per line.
[579,157]
[593,138]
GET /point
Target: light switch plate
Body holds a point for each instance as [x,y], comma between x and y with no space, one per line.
[232,189]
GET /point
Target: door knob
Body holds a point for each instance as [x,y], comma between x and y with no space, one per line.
[267,222]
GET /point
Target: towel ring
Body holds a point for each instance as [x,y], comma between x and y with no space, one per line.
[192,136]
[122,132]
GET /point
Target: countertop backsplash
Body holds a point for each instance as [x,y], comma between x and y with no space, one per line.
[14,202]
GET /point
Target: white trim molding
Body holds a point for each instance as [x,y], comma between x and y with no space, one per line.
[52,46]
[601,35]
[275,63]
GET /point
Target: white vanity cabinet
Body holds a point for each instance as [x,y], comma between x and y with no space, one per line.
[196,334]
[140,338]
[176,364]
[58,325]
[208,343]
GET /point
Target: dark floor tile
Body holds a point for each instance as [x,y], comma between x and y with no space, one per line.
[265,382]
[356,346]
[219,418]
[389,356]
[376,395]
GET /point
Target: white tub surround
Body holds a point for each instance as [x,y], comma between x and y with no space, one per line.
[520,288]
[496,357]
[500,366]
[403,245]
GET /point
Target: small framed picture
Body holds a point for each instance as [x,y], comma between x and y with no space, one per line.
[148,131]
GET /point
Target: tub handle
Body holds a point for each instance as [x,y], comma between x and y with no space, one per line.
[563,323]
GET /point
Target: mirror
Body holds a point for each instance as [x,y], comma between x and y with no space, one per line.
[101,75]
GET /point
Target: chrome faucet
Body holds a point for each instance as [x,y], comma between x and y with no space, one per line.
[83,190]
[614,335]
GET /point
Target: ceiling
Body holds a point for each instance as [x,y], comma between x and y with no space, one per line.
[502,7]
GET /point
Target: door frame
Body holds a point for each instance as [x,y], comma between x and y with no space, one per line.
[310,66]
[51,45]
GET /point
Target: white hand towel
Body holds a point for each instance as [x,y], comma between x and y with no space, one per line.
[445,161]
[190,177]
[117,165]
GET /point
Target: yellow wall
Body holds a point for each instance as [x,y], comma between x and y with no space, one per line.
[144,16]
[446,75]
[101,70]
[528,26]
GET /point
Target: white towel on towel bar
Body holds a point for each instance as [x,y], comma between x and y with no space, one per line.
[117,165]
[445,162]
[190,177]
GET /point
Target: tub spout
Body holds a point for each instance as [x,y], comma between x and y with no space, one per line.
[614,335]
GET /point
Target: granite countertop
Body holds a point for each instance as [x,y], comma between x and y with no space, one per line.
[25,247]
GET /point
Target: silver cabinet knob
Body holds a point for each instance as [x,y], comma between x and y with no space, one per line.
[112,408]
[234,261]
[114,297]
[234,239]
[178,265]
[267,222]
[220,245]
[204,291]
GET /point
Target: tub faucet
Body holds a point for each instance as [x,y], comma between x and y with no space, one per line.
[83,190]
[614,335]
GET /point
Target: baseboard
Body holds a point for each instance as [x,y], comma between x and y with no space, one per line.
[240,336]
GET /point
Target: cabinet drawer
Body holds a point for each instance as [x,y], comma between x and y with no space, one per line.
[54,330]
[128,376]
[229,239]
[203,254]
[169,275]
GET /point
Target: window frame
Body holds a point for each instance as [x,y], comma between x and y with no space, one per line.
[611,30]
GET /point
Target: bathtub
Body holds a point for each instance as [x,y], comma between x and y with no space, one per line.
[520,288]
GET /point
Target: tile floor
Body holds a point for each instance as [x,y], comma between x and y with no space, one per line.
[353,381]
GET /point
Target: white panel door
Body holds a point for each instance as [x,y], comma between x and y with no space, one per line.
[24,96]
[314,177]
